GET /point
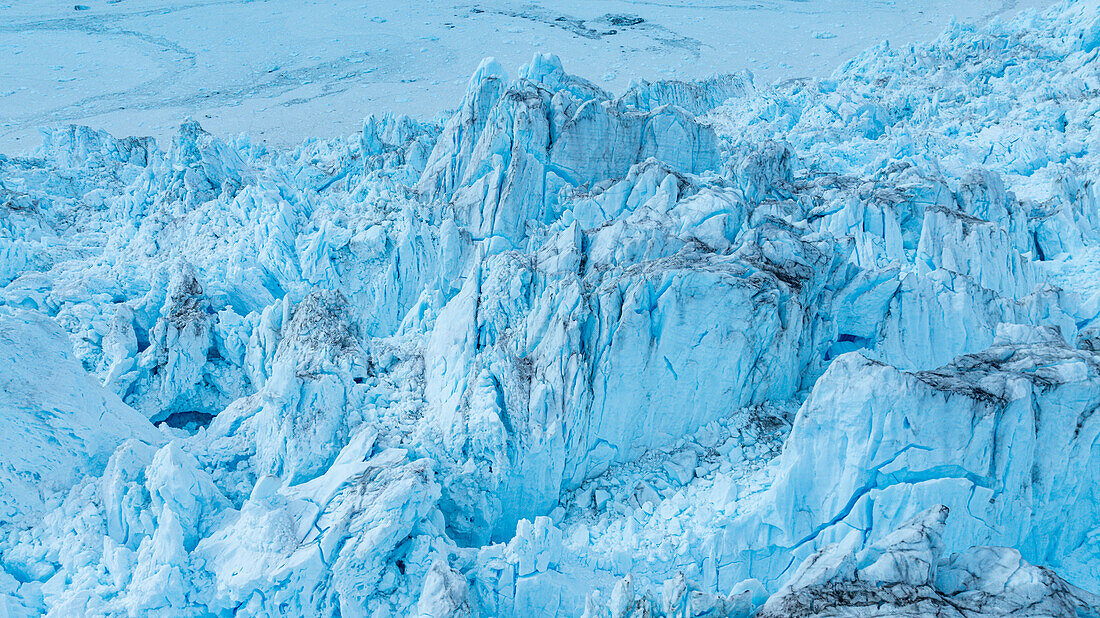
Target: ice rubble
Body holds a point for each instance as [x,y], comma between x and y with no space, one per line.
[569,353]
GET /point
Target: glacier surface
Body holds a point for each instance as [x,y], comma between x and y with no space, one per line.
[716,348]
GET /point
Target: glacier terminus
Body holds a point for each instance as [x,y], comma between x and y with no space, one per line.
[701,348]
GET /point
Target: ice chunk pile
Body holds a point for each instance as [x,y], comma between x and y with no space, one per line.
[567,353]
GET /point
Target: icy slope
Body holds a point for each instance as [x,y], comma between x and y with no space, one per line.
[58,424]
[570,352]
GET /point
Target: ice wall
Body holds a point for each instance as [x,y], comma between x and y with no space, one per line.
[571,353]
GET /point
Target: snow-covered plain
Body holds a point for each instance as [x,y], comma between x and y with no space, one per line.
[829,347]
[285,70]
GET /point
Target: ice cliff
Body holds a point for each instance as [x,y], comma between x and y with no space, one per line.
[818,348]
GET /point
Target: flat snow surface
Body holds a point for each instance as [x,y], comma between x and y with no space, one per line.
[284,70]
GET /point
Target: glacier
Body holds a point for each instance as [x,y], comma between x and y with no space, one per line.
[716,348]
